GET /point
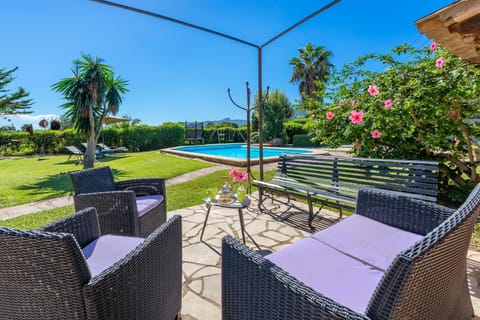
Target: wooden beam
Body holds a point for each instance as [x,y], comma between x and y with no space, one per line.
[469,26]
[459,11]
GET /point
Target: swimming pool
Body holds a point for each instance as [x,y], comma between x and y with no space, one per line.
[232,153]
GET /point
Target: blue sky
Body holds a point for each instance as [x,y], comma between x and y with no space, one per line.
[181,74]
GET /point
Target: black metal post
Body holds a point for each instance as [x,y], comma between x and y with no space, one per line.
[259,48]
[260,113]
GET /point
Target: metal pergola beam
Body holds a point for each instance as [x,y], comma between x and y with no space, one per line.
[223,35]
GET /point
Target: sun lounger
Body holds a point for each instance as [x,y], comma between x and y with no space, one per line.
[106,149]
[98,152]
[74,151]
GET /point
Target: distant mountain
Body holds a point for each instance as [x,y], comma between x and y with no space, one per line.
[239,122]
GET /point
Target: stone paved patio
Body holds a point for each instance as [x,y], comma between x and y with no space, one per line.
[202,261]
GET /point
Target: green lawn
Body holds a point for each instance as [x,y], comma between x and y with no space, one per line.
[25,180]
[179,196]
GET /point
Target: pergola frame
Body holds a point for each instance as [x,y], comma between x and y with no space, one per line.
[258,47]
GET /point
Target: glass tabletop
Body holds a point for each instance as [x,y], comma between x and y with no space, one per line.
[232,203]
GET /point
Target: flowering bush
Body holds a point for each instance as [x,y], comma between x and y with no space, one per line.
[238,176]
[419,105]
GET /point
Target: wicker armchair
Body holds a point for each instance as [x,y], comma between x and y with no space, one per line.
[133,207]
[425,281]
[66,270]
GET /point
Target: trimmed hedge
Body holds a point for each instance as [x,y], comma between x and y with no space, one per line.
[138,138]
[303,141]
[293,127]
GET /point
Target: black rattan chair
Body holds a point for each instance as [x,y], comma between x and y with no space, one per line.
[55,273]
[133,207]
[425,281]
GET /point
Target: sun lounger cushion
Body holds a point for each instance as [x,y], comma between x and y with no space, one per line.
[368,240]
[147,203]
[106,250]
[329,272]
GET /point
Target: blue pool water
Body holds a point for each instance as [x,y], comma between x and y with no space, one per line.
[239,151]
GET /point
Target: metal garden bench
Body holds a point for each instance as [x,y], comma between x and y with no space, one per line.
[335,180]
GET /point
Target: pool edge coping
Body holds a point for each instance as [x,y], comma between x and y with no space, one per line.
[227,160]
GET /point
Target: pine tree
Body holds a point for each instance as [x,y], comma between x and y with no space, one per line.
[12,102]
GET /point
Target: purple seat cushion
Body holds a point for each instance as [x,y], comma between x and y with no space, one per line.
[368,240]
[329,272]
[108,249]
[147,203]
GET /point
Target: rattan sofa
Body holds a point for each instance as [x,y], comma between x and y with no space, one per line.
[66,270]
[340,273]
[134,207]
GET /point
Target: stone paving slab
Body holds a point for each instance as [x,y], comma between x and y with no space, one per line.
[202,261]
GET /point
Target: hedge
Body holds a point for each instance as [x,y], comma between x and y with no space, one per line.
[138,138]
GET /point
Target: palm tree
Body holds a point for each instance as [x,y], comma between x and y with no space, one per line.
[311,69]
[92,93]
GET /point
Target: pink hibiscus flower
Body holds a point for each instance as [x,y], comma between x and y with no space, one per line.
[440,62]
[238,176]
[356,117]
[388,103]
[241,176]
[233,173]
[376,134]
[433,46]
[352,103]
[373,90]
[330,115]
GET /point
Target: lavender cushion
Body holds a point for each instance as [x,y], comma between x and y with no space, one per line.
[368,240]
[106,250]
[329,272]
[147,203]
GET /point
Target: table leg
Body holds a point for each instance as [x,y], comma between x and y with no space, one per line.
[205,223]
[242,227]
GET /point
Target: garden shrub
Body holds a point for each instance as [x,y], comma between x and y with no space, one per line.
[303,141]
[136,138]
[419,105]
[293,127]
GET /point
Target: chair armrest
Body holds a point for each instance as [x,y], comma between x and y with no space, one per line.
[255,288]
[117,211]
[146,284]
[401,211]
[143,187]
[83,225]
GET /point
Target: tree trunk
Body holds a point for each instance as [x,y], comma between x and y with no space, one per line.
[90,156]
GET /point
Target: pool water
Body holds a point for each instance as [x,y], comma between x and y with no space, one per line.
[239,151]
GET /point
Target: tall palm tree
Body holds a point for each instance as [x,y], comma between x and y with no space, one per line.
[311,70]
[92,93]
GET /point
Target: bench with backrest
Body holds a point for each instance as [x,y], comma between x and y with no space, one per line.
[336,180]
[395,258]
